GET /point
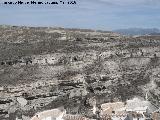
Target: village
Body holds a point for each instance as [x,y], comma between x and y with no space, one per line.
[135,109]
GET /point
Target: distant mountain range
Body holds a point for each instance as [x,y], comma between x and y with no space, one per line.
[138,31]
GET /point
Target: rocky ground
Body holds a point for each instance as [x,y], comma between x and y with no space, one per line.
[52,67]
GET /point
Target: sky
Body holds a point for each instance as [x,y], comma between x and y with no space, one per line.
[89,14]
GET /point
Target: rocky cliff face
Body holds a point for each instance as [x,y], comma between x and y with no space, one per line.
[46,71]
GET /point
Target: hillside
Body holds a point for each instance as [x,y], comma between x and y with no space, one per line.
[53,67]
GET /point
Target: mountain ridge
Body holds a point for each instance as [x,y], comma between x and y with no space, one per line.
[137,31]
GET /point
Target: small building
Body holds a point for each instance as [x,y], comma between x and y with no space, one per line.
[54,114]
[112,108]
[139,106]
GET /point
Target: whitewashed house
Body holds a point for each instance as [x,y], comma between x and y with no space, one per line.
[54,114]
